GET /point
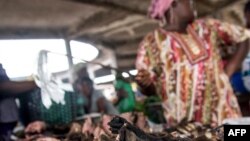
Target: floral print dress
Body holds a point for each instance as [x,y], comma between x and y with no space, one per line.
[188,73]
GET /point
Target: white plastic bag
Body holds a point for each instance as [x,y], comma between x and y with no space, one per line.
[50,91]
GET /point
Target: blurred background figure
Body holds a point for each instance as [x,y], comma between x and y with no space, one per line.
[125,101]
[246,63]
[93,100]
[240,79]
[78,71]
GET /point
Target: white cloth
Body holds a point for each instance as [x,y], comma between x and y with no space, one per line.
[50,91]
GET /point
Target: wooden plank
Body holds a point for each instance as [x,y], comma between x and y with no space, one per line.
[130,6]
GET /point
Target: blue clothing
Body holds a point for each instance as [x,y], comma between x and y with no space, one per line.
[8,110]
[8,107]
[238,83]
[6,130]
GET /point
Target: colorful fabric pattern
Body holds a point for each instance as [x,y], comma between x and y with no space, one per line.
[190,89]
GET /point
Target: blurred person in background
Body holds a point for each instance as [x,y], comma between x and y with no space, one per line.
[125,101]
[93,100]
[78,71]
[8,107]
[181,63]
[240,80]
[245,69]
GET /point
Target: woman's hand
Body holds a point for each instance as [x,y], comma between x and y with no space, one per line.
[145,83]
[143,78]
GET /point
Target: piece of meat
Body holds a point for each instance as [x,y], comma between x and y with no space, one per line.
[75,128]
[128,117]
[47,139]
[78,137]
[141,122]
[128,132]
[104,137]
[105,126]
[88,126]
[35,127]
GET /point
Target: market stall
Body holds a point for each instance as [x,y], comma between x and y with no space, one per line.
[111,31]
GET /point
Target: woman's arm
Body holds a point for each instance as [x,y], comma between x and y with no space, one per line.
[236,61]
[11,87]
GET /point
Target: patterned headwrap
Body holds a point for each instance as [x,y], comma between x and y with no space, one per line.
[158,8]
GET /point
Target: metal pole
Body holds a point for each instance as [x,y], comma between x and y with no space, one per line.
[69,53]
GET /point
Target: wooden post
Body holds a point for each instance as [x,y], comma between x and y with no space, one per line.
[69,54]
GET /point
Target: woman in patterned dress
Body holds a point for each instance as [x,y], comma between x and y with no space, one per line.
[182,64]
